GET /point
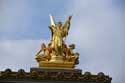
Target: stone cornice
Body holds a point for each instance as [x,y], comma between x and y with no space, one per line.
[33,75]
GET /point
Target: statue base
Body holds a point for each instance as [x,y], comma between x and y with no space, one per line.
[57,62]
[56,65]
[56,58]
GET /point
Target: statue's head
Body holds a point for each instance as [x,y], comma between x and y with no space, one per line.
[72,46]
[59,25]
[43,46]
[49,44]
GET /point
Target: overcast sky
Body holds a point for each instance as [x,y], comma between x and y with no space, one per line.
[96,29]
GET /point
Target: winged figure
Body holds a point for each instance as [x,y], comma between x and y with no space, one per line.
[59,32]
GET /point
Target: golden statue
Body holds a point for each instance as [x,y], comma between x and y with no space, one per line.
[58,33]
[57,54]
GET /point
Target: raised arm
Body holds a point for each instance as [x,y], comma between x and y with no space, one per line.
[66,26]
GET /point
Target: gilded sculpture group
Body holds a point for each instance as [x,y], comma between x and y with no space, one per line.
[57,46]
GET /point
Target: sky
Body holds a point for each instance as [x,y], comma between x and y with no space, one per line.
[97,30]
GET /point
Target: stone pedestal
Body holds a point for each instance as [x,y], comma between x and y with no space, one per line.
[48,70]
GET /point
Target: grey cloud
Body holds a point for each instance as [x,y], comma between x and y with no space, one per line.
[16,54]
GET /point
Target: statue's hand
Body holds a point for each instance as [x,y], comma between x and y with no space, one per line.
[70,17]
[50,27]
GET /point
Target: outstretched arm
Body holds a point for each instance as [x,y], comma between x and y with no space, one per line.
[66,26]
[69,18]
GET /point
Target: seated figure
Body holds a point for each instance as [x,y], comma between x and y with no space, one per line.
[43,54]
[70,55]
